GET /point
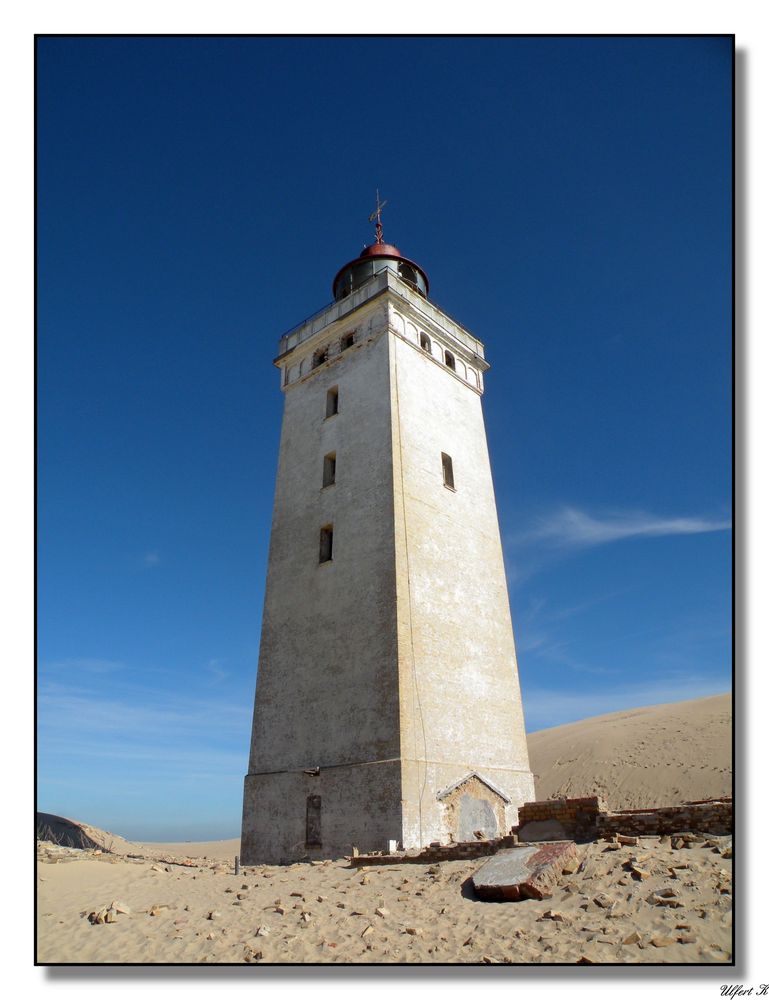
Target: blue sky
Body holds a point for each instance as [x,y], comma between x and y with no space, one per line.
[570,200]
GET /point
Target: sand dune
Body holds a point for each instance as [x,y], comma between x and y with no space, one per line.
[654,756]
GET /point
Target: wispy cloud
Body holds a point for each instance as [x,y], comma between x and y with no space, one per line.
[572,528]
[545,707]
[169,719]
[82,664]
[216,671]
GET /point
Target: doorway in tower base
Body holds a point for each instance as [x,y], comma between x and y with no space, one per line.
[473,809]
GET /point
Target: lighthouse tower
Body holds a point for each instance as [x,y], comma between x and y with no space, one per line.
[387,706]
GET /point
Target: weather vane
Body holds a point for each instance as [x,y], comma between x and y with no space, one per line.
[377,215]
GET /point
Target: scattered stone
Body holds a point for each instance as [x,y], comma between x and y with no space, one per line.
[633,938]
[687,939]
[657,900]
[612,847]
[380,911]
[662,942]
[119,907]
[627,841]
[366,931]
[553,915]
[602,900]
[213,915]
[640,874]
[262,931]
[242,895]
[280,909]
[416,931]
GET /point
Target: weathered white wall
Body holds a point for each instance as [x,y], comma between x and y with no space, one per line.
[460,704]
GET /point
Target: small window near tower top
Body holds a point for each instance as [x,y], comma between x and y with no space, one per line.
[329,469]
[319,357]
[326,543]
[347,341]
[332,401]
[424,342]
[448,471]
[450,362]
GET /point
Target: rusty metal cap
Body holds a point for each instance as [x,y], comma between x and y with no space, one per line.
[381,250]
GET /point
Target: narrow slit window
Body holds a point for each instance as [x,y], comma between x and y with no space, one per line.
[347,341]
[332,401]
[448,470]
[424,342]
[450,362]
[312,836]
[326,543]
[329,469]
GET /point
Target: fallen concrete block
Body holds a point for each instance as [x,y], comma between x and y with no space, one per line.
[527,872]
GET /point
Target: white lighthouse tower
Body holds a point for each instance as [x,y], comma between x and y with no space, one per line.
[387,706]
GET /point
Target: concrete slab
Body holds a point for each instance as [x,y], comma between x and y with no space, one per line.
[542,829]
[528,872]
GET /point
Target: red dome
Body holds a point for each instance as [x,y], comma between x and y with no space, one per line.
[381,250]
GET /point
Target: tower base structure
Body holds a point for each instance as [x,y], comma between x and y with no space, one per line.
[375,806]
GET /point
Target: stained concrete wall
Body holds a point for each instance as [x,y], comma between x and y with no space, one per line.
[360,807]
[327,686]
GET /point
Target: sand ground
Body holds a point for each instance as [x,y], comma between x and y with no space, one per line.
[407,913]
